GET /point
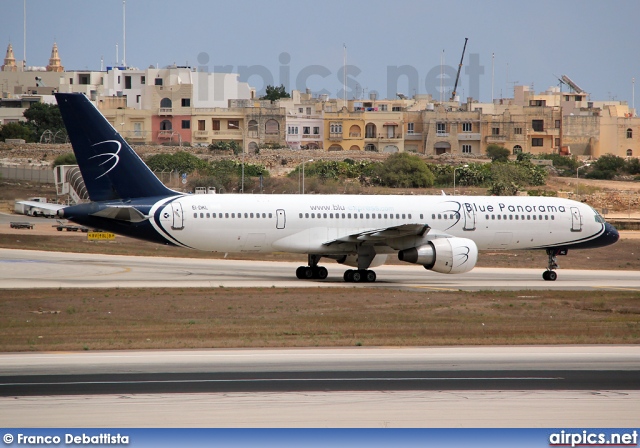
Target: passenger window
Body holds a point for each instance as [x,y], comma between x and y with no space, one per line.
[330,215]
[403,216]
[397,216]
[552,217]
[487,217]
[493,217]
[446,216]
[226,215]
[499,216]
[250,215]
[421,216]
[409,215]
[367,215]
[270,215]
[325,215]
[534,217]
[300,215]
[343,216]
[379,215]
[208,215]
[195,215]
[361,216]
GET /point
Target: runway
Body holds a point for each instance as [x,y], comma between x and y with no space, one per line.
[386,387]
[40,269]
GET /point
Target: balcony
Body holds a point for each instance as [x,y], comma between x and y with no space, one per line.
[165,111]
[469,136]
[442,134]
[496,138]
[200,134]
[413,136]
[335,137]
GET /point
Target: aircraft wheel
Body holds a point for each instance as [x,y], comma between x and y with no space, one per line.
[357,276]
[308,273]
[552,276]
[321,273]
[370,276]
[348,275]
[300,272]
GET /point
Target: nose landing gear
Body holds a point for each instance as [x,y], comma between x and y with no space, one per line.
[550,274]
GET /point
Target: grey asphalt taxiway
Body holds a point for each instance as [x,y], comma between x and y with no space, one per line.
[39,269]
[362,387]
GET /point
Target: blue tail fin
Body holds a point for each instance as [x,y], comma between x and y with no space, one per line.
[110,168]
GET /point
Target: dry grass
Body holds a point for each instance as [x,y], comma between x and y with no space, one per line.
[223,317]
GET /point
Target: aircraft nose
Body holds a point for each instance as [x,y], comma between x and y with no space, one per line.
[610,235]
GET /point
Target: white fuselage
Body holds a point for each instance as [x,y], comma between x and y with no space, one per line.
[306,223]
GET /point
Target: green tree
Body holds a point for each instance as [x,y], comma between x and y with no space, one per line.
[606,167]
[65,159]
[275,93]
[181,162]
[41,116]
[17,130]
[404,170]
[498,153]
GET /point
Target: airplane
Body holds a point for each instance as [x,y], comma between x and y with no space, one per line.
[441,233]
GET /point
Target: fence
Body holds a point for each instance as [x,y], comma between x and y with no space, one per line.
[42,175]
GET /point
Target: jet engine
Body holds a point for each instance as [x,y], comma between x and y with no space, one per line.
[444,255]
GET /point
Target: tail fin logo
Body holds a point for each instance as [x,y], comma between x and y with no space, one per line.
[111,157]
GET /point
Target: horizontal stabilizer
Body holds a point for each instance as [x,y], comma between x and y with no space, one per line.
[122,213]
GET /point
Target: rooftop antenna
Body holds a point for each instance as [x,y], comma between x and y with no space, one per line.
[124,34]
[101,63]
[441,75]
[24,45]
[493,72]
[344,77]
[633,95]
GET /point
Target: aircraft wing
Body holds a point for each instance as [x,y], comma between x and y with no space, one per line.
[43,205]
[122,213]
[379,235]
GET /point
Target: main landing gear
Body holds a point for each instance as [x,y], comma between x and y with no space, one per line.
[313,271]
[550,274]
[359,275]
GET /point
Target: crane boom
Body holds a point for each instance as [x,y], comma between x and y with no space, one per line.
[455,86]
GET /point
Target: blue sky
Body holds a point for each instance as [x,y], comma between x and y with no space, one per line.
[593,42]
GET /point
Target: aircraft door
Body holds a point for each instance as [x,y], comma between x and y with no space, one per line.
[576,220]
[280,219]
[178,218]
[469,219]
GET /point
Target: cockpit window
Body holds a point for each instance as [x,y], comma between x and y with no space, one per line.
[597,216]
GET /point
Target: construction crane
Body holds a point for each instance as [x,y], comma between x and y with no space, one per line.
[455,86]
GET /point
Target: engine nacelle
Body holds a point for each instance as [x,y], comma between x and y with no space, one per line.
[444,255]
[352,260]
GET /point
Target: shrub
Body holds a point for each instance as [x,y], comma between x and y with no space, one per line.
[498,153]
[65,159]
